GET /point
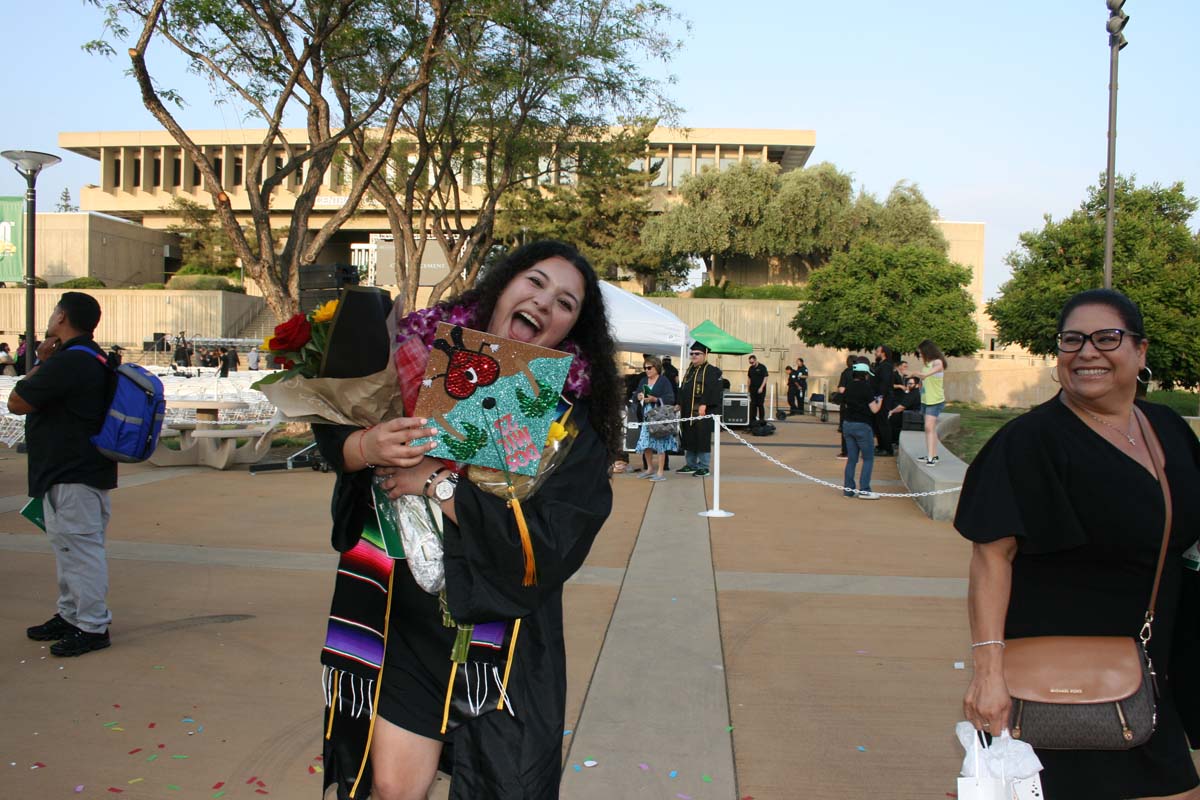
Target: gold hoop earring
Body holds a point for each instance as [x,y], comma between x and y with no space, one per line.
[1149,375]
[1054,373]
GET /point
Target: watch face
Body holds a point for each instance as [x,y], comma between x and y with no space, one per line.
[444,490]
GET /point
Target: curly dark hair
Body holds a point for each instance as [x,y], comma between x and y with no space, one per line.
[590,334]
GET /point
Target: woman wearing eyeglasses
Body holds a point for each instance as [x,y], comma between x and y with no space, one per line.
[655,392]
[1066,514]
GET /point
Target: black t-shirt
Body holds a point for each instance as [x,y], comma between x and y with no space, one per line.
[799,376]
[884,377]
[70,394]
[758,376]
[858,398]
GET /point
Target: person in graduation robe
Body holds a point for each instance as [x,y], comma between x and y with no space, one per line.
[403,701]
[699,394]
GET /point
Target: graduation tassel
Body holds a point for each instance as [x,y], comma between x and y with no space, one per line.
[530,578]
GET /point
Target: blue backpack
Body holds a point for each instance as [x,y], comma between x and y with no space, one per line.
[135,413]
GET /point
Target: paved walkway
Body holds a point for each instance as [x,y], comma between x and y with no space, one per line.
[804,648]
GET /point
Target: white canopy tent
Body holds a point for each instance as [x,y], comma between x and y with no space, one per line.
[644,327]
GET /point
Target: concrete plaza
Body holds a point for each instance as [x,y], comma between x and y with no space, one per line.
[803,648]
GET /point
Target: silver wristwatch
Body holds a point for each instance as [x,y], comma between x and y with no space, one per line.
[444,490]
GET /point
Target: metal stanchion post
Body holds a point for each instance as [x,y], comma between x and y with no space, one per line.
[716,511]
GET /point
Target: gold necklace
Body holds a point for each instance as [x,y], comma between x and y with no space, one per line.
[1128,437]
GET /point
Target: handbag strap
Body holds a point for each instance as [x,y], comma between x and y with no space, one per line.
[1153,446]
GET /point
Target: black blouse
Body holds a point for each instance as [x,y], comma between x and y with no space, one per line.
[1088,521]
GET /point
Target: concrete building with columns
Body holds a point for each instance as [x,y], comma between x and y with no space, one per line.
[141,171]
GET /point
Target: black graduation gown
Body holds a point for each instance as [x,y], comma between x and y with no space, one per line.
[1088,522]
[496,755]
[701,387]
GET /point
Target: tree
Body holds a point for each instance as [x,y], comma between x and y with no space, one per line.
[601,208]
[204,244]
[1156,262]
[520,87]
[885,294]
[807,215]
[277,60]
[64,202]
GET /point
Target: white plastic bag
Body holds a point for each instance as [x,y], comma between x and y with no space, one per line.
[1007,769]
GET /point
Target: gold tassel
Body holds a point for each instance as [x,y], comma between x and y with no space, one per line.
[332,705]
[530,578]
[512,649]
[449,695]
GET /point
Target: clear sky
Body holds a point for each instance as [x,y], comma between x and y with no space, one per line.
[997,110]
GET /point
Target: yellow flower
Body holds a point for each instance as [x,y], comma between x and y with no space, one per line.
[325,312]
[557,433]
[266,345]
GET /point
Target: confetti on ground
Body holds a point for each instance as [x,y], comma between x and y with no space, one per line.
[959,665]
[152,756]
[136,780]
[706,778]
[218,784]
[218,794]
[728,728]
[135,750]
[159,666]
[116,705]
[644,767]
[682,796]
[200,729]
[261,791]
[38,765]
[590,763]
[860,652]
[253,778]
[162,747]
[116,728]
[567,733]
[79,789]
[861,749]
[178,756]
[577,767]
[111,724]
[673,773]
[173,787]
[261,784]
[312,770]
[115,790]
[152,725]
[188,720]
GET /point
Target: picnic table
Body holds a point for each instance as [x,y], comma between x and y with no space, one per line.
[202,442]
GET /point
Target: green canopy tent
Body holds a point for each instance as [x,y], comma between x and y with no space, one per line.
[718,341]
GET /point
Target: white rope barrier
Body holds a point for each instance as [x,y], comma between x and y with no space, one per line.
[716,510]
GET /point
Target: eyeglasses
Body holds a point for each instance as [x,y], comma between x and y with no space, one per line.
[695,353]
[648,367]
[1105,340]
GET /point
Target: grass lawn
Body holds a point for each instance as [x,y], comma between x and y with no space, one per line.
[978,425]
[980,422]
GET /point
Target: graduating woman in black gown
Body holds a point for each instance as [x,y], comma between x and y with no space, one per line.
[399,707]
[1067,516]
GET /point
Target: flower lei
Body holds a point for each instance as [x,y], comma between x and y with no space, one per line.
[423,323]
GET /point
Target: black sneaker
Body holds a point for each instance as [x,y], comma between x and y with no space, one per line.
[51,630]
[700,473]
[686,468]
[79,642]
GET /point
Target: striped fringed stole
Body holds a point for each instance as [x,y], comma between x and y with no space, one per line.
[352,659]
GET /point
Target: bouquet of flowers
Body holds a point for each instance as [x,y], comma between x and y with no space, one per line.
[336,364]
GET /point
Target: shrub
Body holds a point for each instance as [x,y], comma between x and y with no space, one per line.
[194,268]
[661,293]
[150,286]
[771,291]
[85,282]
[708,290]
[204,283]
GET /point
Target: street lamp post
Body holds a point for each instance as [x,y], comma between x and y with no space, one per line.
[1117,19]
[29,163]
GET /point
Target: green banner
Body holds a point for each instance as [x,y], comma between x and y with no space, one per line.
[12,237]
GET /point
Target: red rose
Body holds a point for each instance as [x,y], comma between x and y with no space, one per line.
[291,335]
[284,362]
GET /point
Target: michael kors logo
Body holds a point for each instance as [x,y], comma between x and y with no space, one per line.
[1066,691]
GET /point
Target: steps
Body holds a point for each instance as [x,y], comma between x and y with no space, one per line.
[260,326]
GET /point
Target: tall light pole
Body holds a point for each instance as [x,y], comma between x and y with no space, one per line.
[1117,19]
[29,163]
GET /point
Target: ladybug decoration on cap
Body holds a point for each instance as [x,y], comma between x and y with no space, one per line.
[467,370]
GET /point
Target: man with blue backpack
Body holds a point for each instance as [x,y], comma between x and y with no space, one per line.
[65,401]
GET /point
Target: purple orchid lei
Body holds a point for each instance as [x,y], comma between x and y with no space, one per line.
[423,323]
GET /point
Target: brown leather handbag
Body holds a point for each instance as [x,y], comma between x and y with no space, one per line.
[1088,692]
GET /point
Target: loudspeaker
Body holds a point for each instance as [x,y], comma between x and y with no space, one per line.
[327,276]
[735,408]
[311,300]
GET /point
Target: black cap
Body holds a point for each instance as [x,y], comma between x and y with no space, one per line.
[697,346]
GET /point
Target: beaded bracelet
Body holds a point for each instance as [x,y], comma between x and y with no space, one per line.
[361,453]
[989,641]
